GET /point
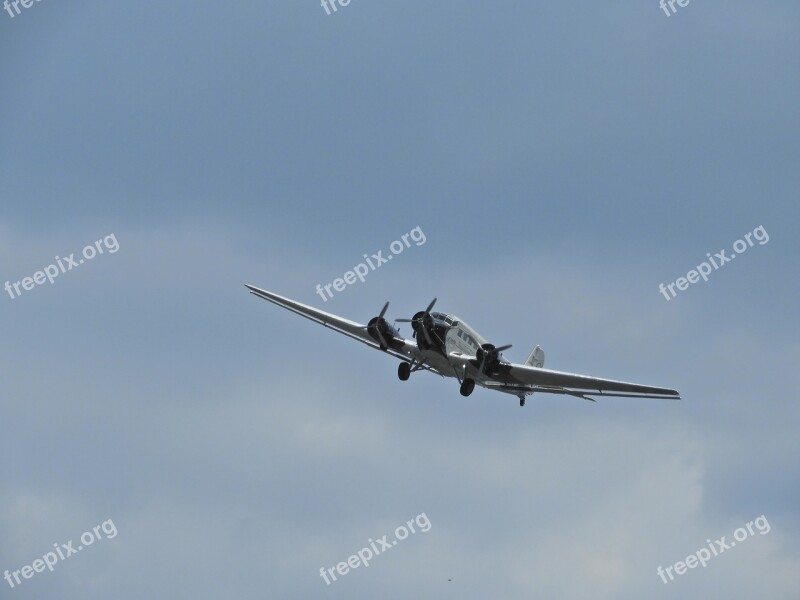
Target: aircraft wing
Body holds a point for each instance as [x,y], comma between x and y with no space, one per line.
[349,328]
[515,378]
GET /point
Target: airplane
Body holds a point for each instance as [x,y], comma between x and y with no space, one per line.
[444,344]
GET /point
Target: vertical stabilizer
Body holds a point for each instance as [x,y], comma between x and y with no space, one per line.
[536,359]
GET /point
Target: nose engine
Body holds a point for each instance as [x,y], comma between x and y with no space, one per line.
[422,324]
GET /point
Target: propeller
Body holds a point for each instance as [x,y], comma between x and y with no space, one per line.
[422,320]
[416,318]
[485,351]
[384,309]
[376,324]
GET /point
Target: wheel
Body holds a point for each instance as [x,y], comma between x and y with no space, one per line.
[522,400]
[404,371]
[467,387]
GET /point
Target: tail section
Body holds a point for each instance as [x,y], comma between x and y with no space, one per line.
[536,359]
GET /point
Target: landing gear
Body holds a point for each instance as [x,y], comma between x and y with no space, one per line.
[522,400]
[467,387]
[404,371]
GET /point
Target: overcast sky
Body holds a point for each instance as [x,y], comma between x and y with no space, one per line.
[563,159]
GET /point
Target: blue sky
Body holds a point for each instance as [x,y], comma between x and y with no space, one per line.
[562,160]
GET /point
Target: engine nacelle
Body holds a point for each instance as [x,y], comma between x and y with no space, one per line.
[487,358]
[387,336]
[420,323]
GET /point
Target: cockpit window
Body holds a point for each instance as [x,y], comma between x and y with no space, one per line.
[442,317]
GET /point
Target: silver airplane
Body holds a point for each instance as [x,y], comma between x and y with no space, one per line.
[447,346]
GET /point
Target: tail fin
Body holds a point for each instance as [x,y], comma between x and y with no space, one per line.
[536,359]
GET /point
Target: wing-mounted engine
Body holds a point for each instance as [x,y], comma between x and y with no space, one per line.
[487,359]
[379,330]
